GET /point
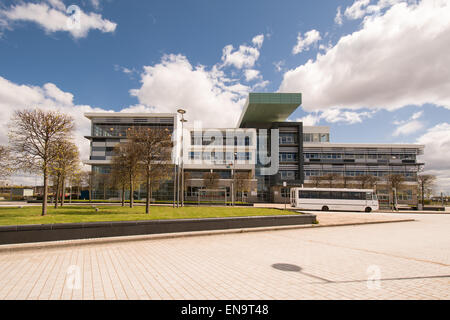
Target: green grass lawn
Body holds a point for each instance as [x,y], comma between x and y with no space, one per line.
[72,214]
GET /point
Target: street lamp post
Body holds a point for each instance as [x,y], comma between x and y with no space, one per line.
[232,179]
[182,112]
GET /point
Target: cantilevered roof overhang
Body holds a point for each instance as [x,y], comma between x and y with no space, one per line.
[269,107]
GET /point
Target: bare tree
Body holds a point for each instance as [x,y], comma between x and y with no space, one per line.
[316,180]
[154,152]
[394,181]
[331,177]
[65,163]
[345,179]
[367,180]
[426,182]
[211,179]
[6,165]
[32,136]
[242,182]
[119,176]
[129,156]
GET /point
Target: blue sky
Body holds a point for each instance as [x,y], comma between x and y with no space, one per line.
[358,76]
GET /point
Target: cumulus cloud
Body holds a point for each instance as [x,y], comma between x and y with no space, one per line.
[251,74]
[409,126]
[279,65]
[357,9]
[206,94]
[49,97]
[309,119]
[397,58]
[362,8]
[53,16]
[244,57]
[437,153]
[303,43]
[258,40]
[336,115]
[338,19]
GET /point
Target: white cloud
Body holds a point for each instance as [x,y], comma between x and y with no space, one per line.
[417,115]
[309,120]
[52,17]
[335,115]
[95,4]
[244,57]
[338,18]
[58,4]
[251,74]
[311,37]
[204,93]
[49,97]
[437,153]
[408,128]
[398,58]
[258,40]
[357,9]
[279,65]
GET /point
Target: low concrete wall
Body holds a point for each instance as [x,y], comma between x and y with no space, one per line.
[71,231]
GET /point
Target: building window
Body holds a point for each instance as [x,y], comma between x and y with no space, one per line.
[287,175]
[285,192]
[288,157]
[288,138]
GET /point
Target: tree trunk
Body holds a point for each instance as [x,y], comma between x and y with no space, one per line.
[44,198]
[423,195]
[104,187]
[90,188]
[131,192]
[57,191]
[123,194]
[63,190]
[147,201]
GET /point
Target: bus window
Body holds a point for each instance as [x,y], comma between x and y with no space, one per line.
[324,194]
[336,195]
[305,194]
[368,195]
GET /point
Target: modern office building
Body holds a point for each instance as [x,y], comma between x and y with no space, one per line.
[272,152]
[110,128]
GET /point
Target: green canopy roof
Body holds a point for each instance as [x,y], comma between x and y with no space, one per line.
[269,107]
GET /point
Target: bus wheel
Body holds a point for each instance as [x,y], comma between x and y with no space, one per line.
[325,208]
[368,209]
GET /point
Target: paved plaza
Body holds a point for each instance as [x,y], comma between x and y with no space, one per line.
[403,260]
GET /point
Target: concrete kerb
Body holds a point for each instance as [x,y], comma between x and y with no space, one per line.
[103,241]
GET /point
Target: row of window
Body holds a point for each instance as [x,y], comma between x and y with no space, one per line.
[360,156]
[240,140]
[288,175]
[120,130]
[406,174]
[316,137]
[219,156]
[288,138]
[288,156]
[337,195]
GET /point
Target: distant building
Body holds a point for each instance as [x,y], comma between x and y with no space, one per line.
[264,145]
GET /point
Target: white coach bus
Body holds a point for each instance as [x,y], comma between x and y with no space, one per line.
[334,199]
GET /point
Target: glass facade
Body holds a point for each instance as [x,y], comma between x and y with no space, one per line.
[316,137]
